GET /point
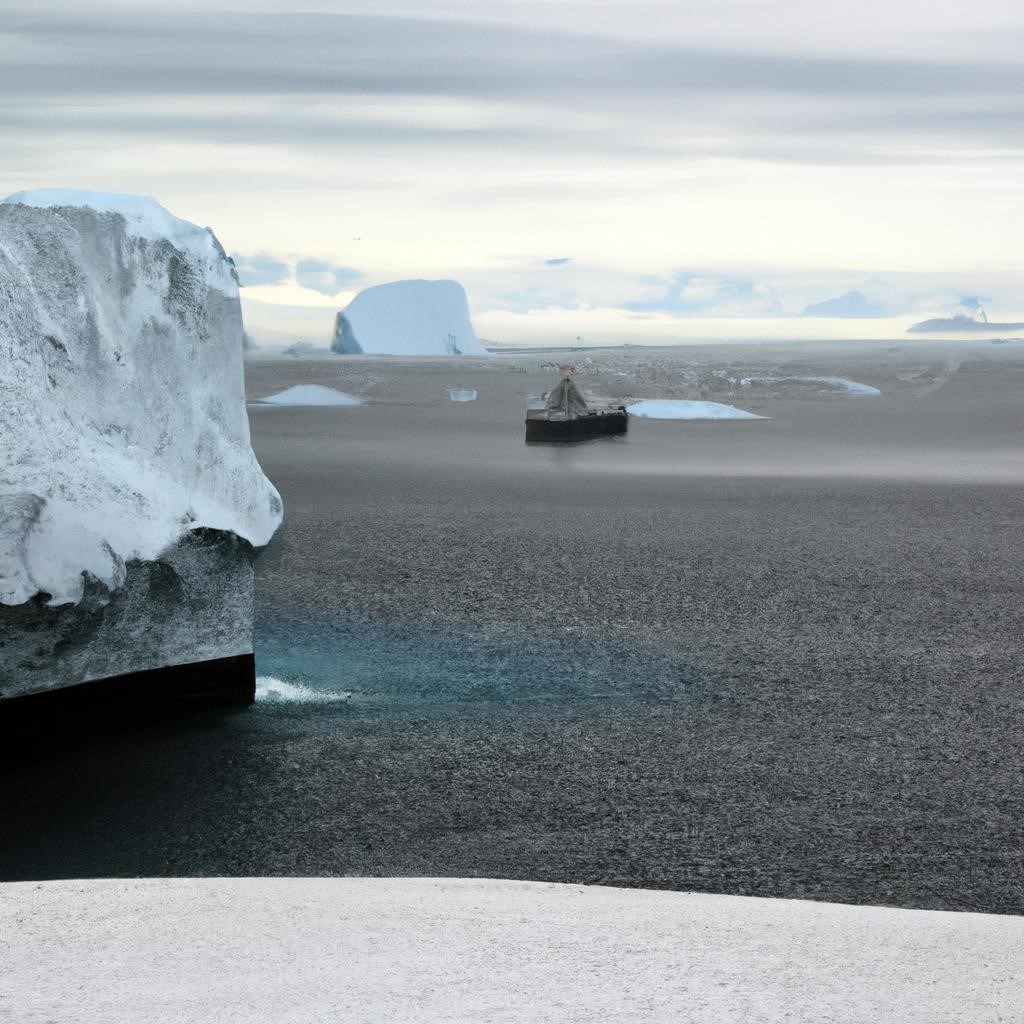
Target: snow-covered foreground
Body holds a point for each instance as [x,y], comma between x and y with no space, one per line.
[465,950]
[673,409]
[310,394]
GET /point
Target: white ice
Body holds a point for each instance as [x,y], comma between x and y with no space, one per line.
[310,394]
[270,689]
[145,218]
[408,318]
[123,419]
[852,387]
[672,409]
[465,951]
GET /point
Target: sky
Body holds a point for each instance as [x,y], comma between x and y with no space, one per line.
[639,170]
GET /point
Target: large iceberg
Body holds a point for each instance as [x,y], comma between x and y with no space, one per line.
[408,318]
[130,497]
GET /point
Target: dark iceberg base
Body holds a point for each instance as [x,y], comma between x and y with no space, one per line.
[133,697]
[191,606]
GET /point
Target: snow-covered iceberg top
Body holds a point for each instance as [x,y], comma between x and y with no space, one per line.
[408,318]
[144,218]
[310,394]
[672,409]
[122,406]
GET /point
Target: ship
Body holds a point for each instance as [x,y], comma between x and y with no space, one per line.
[566,416]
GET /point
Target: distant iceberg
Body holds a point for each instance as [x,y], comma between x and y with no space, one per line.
[672,409]
[462,394]
[310,394]
[408,318]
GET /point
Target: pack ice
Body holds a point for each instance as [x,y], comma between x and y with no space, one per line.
[123,411]
[408,318]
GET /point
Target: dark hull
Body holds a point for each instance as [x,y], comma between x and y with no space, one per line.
[148,695]
[582,428]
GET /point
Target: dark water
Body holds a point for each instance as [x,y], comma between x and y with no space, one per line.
[604,666]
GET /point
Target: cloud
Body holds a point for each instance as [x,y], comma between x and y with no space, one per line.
[710,296]
[260,268]
[325,278]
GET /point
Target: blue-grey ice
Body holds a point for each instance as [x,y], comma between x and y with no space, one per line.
[677,409]
[311,394]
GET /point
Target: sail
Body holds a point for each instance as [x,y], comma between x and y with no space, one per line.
[566,398]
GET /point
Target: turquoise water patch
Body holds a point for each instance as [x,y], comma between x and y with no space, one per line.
[402,664]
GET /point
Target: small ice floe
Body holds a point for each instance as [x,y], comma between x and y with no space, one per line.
[310,394]
[462,394]
[852,387]
[672,409]
[272,690]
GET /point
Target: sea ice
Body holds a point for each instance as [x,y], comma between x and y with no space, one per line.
[673,409]
[310,394]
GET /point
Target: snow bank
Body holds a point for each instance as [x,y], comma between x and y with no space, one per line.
[310,394]
[366,950]
[123,411]
[670,409]
[408,318]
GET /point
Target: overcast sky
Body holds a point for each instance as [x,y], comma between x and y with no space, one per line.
[678,159]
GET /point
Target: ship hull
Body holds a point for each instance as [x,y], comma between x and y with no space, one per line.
[580,428]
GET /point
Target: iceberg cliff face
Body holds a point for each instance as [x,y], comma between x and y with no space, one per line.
[122,413]
[408,318]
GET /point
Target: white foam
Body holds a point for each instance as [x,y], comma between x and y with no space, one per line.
[311,394]
[273,690]
[673,409]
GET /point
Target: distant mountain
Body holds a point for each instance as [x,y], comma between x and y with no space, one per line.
[960,324]
[852,305]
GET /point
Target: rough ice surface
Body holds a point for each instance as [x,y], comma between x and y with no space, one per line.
[408,318]
[464,951]
[194,603]
[310,394]
[462,394]
[673,409]
[123,409]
